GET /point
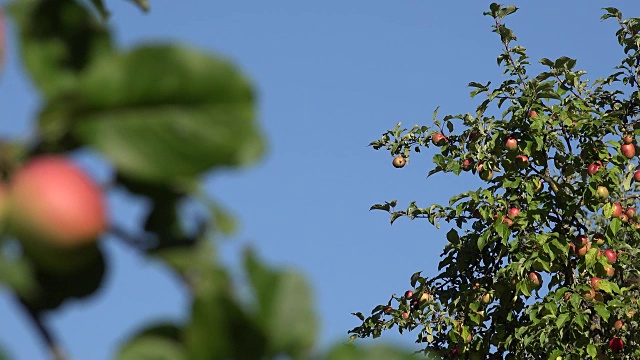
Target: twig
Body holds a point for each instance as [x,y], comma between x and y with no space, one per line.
[55,350]
[137,242]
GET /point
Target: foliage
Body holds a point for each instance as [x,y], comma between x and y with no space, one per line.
[517,280]
[161,116]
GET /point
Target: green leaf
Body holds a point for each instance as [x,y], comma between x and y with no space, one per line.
[99,5]
[284,308]
[219,328]
[626,183]
[435,113]
[547,62]
[183,113]
[614,226]
[482,240]
[453,237]
[152,348]
[18,275]
[602,311]
[351,352]
[612,12]
[142,4]
[156,343]
[562,318]
[592,350]
[59,39]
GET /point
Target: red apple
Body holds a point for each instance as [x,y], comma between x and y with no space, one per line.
[473,136]
[514,212]
[636,175]
[535,279]
[438,139]
[467,164]
[581,240]
[507,221]
[609,270]
[593,168]
[522,161]
[399,162]
[599,297]
[627,139]
[611,256]
[405,315]
[55,202]
[619,324]
[533,113]
[590,295]
[616,345]
[628,150]
[485,174]
[511,144]
[631,212]
[594,283]
[617,210]
[624,218]
[408,294]
[583,250]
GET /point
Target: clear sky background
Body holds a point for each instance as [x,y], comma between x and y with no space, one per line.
[332,76]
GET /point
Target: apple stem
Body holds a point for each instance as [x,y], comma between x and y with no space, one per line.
[55,350]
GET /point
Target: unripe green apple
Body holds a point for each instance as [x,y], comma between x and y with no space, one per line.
[602,193]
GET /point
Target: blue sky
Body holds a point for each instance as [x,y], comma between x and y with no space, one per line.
[331,77]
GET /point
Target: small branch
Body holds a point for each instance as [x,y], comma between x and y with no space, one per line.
[55,350]
[137,242]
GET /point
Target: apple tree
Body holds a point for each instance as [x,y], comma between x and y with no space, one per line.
[542,262]
[158,117]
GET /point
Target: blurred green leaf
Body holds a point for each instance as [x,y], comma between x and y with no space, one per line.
[59,39]
[350,352]
[167,113]
[142,4]
[18,275]
[219,328]
[99,5]
[285,311]
[161,342]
